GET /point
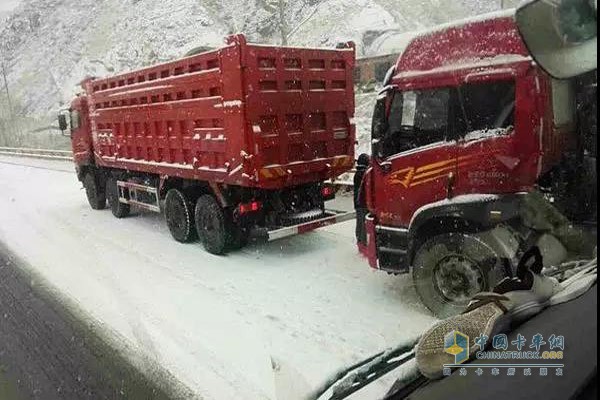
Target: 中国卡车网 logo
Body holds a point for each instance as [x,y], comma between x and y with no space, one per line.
[457,344]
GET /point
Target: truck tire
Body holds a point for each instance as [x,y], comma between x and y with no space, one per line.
[211,225]
[238,239]
[450,268]
[95,191]
[179,213]
[119,210]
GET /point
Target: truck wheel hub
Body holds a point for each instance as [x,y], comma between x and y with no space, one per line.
[458,278]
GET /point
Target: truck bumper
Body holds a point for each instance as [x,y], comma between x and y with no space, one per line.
[331,217]
[387,247]
[371,248]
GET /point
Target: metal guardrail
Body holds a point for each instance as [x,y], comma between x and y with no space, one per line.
[68,156]
[37,153]
[346,181]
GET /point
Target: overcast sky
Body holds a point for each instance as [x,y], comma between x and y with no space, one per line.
[7,5]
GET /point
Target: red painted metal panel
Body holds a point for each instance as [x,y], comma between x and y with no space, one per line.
[229,115]
[485,50]
[462,44]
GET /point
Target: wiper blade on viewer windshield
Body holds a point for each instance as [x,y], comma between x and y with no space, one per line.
[346,382]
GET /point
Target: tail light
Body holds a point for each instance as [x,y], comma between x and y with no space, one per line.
[327,192]
[246,208]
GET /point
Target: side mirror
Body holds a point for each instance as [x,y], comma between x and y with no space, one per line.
[379,126]
[62,122]
[561,35]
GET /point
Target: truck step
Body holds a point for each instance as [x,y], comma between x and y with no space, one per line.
[142,196]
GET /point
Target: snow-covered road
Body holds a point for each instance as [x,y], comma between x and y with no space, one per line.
[214,322]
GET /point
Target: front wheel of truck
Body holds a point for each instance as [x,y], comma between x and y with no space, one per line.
[450,268]
[179,213]
[211,225]
[95,191]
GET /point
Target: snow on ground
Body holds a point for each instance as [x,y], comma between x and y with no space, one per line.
[213,322]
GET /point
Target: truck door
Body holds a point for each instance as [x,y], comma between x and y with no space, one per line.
[499,147]
[81,140]
[415,155]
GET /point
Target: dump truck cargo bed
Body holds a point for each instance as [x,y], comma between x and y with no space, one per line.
[248,115]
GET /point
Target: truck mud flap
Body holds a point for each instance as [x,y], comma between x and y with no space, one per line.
[331,218]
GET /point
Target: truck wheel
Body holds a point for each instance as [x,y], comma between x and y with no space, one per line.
[119,210]
[239,237]
[95,191]
[211,225]
[449,269]
[179,216]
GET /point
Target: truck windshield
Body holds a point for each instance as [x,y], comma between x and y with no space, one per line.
[422,117]
[416,118]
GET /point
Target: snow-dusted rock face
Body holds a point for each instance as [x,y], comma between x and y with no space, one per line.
[49,46]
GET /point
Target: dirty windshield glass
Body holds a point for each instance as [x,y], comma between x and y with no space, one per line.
[297,200]
[417,118]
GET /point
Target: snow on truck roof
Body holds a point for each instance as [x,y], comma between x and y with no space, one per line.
[399,43]
[484,40]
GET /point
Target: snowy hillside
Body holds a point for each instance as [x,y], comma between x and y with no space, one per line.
[50,45]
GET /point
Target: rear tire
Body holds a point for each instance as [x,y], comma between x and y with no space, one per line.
[95,191]
[119,210]
[239,237]
[450,268]
[179,213]
[211,225]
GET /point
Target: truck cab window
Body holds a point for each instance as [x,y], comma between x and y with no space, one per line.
[75,120]
[416,118]
[486,106]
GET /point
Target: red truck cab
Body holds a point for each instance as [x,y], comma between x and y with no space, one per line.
[466,125]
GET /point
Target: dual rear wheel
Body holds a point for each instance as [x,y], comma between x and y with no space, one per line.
[204,219]
[188,217]
[180,216]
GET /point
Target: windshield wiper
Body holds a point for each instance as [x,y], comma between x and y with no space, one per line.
[346,382]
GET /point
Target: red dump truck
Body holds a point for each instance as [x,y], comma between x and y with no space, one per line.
[230,143]
[474,146]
